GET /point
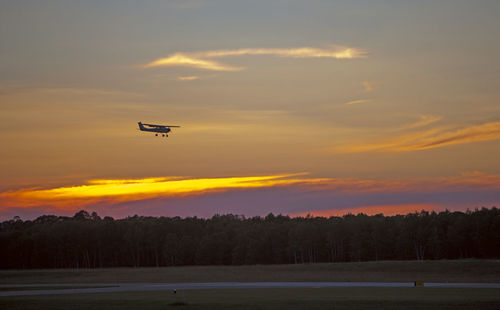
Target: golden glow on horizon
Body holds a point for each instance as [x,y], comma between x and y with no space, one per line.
[387,210]
[427,139]
[137,189]
[123,190]
[199,60]
[129,181]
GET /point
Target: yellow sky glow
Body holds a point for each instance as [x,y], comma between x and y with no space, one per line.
[120,190]
[133,189]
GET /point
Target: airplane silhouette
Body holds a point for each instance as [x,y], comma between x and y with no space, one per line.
[163,129]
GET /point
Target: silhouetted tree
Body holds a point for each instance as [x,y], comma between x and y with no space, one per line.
[87,241]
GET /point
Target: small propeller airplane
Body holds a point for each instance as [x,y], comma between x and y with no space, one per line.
[163,129]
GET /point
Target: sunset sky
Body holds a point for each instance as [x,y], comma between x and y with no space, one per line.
[291,107]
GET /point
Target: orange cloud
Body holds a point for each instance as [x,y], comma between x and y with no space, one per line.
[387,210]
[424,121]
[427,139]
[124,190]
[200,60]
[137,189]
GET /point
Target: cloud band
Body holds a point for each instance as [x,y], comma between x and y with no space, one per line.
[202,60]
[428,139]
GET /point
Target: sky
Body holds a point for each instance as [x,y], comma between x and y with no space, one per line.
[289,107]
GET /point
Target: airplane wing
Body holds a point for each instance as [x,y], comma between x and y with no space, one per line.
[160,126]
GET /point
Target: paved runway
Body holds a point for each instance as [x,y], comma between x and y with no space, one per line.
[126,287]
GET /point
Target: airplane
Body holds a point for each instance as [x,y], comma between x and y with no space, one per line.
[163,129]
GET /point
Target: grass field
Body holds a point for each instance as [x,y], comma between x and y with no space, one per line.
[383,271]
[306,298]
[51,287]
[290,299]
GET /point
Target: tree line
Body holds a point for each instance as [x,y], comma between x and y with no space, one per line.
[89,241]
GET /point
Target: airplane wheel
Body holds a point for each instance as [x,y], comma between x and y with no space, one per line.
[167,135]
[156,135]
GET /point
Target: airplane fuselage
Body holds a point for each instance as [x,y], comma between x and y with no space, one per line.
[158,130]
[155,128]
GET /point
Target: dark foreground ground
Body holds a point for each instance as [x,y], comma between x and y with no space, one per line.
[310,298]
[478,271]
[464,271]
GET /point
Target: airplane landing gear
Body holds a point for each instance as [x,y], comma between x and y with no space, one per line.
[156,134]
[163,135]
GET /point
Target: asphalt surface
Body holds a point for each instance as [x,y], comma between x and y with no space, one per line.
[127,287]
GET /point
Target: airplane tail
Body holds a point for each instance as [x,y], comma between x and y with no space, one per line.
[141,127]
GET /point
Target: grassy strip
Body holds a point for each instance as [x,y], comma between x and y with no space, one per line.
[319,298]
[382,271]
[36,288]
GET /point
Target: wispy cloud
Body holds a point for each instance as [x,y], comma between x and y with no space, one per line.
[185,60]
[428,139]
[188,78]
[358,101]
[423,121]
[300,52]
[138,189]
[467,180]
[201,60]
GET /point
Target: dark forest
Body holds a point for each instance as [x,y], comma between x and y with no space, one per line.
[89,241]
